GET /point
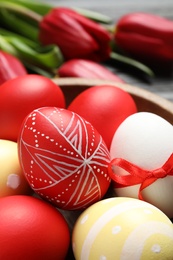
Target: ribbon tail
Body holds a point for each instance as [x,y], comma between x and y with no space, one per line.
[147,182]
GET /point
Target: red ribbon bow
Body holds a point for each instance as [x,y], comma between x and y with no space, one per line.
[138,175]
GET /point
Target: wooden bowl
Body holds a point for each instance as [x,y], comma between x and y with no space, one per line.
[145,100]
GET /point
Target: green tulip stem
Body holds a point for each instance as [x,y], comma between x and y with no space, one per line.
[21,10]
[35,5]
[95,16]
[131,62]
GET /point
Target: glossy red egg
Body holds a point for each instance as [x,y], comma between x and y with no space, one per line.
[105,107]
[19,96]
[32,229]
[64,158]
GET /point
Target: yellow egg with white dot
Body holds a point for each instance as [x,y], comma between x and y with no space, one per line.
[122,228]
[12,180]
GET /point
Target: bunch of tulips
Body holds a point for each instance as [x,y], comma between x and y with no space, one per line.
[67,42]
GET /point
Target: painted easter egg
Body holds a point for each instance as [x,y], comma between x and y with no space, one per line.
[105,107]
[64,158]
[32,229]
[142,160]
[122,228]
[12,180]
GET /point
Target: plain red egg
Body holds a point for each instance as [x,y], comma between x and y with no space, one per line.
[32,229]
[105,107]
[19,96]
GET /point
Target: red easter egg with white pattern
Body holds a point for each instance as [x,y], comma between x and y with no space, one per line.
[64,158]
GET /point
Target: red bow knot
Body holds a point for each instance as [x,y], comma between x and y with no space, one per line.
[138,175]
[159,173]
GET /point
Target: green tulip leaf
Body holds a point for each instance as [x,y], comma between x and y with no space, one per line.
[132,63]
[36,6]
[35,69]
[49,57]
[7,47]
[17,24]
[95,16]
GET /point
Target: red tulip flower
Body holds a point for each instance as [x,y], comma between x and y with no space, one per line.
[76,35]
[10,67]
[145,36]
[80,68]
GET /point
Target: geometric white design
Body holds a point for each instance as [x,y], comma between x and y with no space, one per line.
[64,158]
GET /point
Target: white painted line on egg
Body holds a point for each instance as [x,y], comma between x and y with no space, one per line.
[146,229]
[104,219]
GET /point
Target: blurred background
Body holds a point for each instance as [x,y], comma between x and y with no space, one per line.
[115,9]
[162,84]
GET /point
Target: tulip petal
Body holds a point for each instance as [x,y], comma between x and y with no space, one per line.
[77,36]
[86,69]
[146,45]
[99,33]
[60,28]
[147,36]
[10,67]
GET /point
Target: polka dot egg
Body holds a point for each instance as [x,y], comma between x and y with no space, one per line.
[122,228]
[64,158]
[12,180]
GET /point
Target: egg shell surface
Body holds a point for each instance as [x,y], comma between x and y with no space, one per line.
[146,140]
[105,107]
[19,96]
[32,229]
[122,228]
[12,179]
[64,158]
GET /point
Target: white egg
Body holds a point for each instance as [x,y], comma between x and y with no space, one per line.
[145,140]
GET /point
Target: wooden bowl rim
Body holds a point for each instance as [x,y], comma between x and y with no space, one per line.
[133,90]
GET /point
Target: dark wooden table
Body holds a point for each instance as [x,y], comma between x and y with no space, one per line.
[162,84]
